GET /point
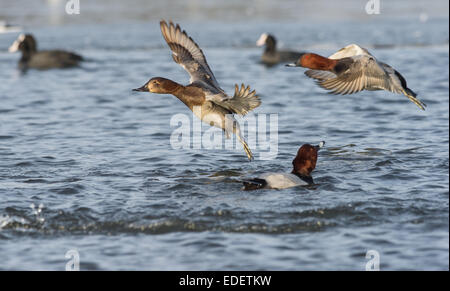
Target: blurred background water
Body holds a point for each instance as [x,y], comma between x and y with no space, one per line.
[97,157]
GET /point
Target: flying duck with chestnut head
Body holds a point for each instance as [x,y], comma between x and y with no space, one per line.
[203,95]
[42,60]
[272,55]
[353,69]
[303,164]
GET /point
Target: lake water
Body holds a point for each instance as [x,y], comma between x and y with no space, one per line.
[98,158]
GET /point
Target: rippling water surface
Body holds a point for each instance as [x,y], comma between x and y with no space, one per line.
[97,157]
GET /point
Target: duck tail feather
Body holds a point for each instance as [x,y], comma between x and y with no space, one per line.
[254,184]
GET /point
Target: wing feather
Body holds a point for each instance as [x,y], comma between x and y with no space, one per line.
[363,73]
[320,75]
[188,54]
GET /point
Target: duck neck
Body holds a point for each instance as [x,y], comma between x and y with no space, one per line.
[307,178]
[270,46]
[27,51]
[190,95]
[179,92]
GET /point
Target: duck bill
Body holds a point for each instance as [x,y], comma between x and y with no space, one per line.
[16,44]
[14,47]
[262,39]
[320,145]
[298,62]
[141,89]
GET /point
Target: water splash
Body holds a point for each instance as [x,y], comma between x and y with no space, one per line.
[37,211]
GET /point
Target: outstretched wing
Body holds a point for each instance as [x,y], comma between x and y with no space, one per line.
[345,52]
[363,72]
[320,75]
[242,102]
[188,54]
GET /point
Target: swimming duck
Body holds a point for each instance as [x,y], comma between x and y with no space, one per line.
[203,95]
[271,55]
[303,164]
[353,69]
[42,60]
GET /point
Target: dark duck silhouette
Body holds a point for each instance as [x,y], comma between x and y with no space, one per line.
[271,55]
[42,60]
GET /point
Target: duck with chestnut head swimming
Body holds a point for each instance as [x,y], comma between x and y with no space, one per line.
[203,95]
[303,164]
